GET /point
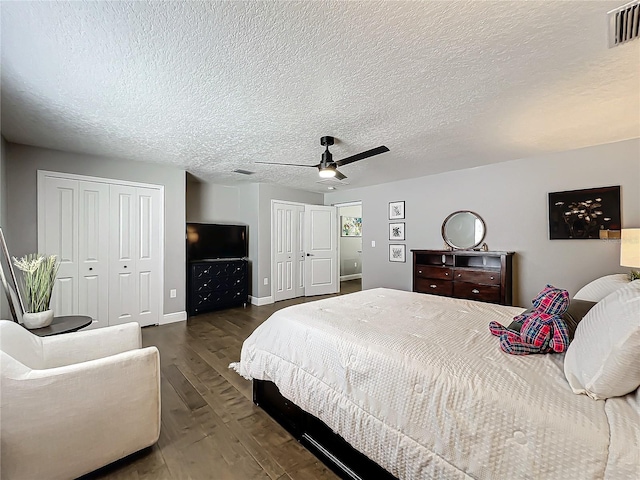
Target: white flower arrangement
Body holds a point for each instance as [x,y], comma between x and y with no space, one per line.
[38,278]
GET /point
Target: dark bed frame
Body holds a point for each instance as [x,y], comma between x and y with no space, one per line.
[316,436]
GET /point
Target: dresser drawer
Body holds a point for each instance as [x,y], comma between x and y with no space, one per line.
[483,277]
[472,291]
[435,287]
[443,273]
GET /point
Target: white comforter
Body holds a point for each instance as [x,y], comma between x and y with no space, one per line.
[418,384]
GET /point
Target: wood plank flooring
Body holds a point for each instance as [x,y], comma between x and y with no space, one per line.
[210,427]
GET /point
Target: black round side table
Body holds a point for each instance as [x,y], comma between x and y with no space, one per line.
[64,324]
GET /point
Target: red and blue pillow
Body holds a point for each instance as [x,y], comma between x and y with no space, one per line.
[543,329]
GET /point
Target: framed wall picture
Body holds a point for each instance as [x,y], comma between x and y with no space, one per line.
[581,214]
[397,253]
[396,210]
[396,231]
[350,226]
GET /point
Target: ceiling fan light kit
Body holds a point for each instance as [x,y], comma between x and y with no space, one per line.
[327,172]
[327,168]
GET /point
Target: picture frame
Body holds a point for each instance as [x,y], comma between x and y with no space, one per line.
[396,210]
[397,253]
[396,231]
[10,282]
[584,214]
[350,226]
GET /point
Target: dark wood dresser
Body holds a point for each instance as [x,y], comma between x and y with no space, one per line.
[482,276]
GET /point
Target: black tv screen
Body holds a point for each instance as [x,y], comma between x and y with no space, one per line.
[210,241]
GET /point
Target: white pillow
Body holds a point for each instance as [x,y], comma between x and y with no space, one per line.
[604,358]
[601,287]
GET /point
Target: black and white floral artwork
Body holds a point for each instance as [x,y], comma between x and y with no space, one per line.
[397,253]
[396,210]
[581,214]
[396,231]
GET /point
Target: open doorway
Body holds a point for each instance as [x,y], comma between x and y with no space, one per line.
[350,261]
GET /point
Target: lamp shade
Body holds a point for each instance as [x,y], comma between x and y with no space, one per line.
[630,248]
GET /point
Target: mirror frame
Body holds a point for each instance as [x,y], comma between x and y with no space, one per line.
[454,247]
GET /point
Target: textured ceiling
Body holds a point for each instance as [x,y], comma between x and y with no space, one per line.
[214,86]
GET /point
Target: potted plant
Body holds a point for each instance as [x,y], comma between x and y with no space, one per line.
[38,278]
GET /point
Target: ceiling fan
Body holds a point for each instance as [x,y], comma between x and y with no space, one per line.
[327,168]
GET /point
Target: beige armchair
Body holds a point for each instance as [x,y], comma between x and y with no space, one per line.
[72,403]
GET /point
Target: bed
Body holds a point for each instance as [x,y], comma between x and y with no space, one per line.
[417,385]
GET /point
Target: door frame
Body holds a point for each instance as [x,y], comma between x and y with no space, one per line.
[42,174]
[349,204]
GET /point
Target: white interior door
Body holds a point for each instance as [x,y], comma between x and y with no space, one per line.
[287,240]
[58,235]
[122,259]
[93,252]
[321,246]
[147,265]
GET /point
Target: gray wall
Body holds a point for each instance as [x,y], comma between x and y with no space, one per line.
[350,247]
[248,214]
[209,202]
[23,162]
[512,199]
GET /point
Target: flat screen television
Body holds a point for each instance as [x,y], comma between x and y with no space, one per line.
[207,241]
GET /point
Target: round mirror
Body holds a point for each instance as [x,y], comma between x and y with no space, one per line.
[463,230]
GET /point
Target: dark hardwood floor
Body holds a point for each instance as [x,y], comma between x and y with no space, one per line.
[210,427]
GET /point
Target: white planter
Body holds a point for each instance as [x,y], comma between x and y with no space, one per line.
[37,319]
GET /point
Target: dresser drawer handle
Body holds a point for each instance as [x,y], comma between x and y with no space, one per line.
[492,278]
[475,290]
[459,275]
[419,271]
[433,286]
[446,274]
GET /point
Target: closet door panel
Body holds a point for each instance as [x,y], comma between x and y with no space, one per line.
[93,239]
[122,262]
[148,261]
[61,239]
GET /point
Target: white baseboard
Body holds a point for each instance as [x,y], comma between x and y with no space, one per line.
[353,276]
[259,301]
[173,317]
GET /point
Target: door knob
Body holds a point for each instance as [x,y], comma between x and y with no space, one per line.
[309,254]
[90,268]
[125,266]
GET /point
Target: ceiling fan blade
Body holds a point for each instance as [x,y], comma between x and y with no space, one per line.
[362,155]
[340,176]
[288,164]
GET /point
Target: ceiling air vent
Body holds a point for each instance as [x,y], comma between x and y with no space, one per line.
[243,172]
[624,23]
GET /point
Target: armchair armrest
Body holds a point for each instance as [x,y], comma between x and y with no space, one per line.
[79,347]
[80,417]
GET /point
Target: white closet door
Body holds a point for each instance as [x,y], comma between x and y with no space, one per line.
[93,243]
[60,237]
[122,259]
[286,245]
[147,267]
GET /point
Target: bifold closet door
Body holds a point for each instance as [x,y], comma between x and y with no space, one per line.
[134,245]
[76,221]
[61,238]
[93,252]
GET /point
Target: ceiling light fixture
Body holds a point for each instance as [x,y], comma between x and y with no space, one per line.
[327,172]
